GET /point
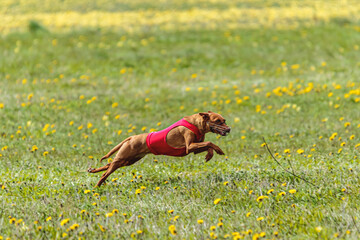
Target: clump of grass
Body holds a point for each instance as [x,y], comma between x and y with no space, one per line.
[36,27]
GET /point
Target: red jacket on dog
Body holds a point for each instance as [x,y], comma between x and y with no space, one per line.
[156,141]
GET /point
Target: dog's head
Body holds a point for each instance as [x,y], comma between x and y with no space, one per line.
[215,123]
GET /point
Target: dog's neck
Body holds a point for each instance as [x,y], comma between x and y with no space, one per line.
[199,122]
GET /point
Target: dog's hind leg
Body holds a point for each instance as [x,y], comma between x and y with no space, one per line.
[115,165]
[129,153]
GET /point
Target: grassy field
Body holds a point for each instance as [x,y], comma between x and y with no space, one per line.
[77,78]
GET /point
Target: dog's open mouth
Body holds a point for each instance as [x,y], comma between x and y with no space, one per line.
[220,130]
[223,133]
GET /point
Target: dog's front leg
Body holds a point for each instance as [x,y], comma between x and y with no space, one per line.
[203,146]
[208,156]
[198,147]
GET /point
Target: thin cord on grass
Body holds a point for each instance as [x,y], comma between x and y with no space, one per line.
[267,147]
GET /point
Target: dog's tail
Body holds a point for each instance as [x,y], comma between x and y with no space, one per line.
[114,149]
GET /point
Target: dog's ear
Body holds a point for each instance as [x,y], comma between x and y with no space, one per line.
[205,116]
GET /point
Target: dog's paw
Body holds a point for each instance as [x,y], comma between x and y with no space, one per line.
[90,170]
[209,155]
[219,151]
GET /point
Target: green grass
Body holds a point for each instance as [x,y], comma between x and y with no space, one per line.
[49,78]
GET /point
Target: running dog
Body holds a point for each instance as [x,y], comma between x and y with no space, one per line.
[178,140]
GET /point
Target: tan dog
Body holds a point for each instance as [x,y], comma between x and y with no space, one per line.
[180,139]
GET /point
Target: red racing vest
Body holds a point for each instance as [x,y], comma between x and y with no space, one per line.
[156,141]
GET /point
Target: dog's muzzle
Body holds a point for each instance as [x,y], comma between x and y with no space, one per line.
[218,129]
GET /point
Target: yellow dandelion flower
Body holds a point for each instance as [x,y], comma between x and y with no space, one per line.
[102,228]
[260,219]
[318,229]
[282,194]
[292,191]
[200,221]
[295,66]
[74,226]
[65,221]
[248,214]
[261,198]
[300,151]
[216,201]
[172,229]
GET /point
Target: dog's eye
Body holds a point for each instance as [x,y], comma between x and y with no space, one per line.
[218,121]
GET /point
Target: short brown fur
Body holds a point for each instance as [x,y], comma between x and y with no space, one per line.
[134,148]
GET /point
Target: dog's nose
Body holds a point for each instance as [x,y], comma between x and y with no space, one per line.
[228,129]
